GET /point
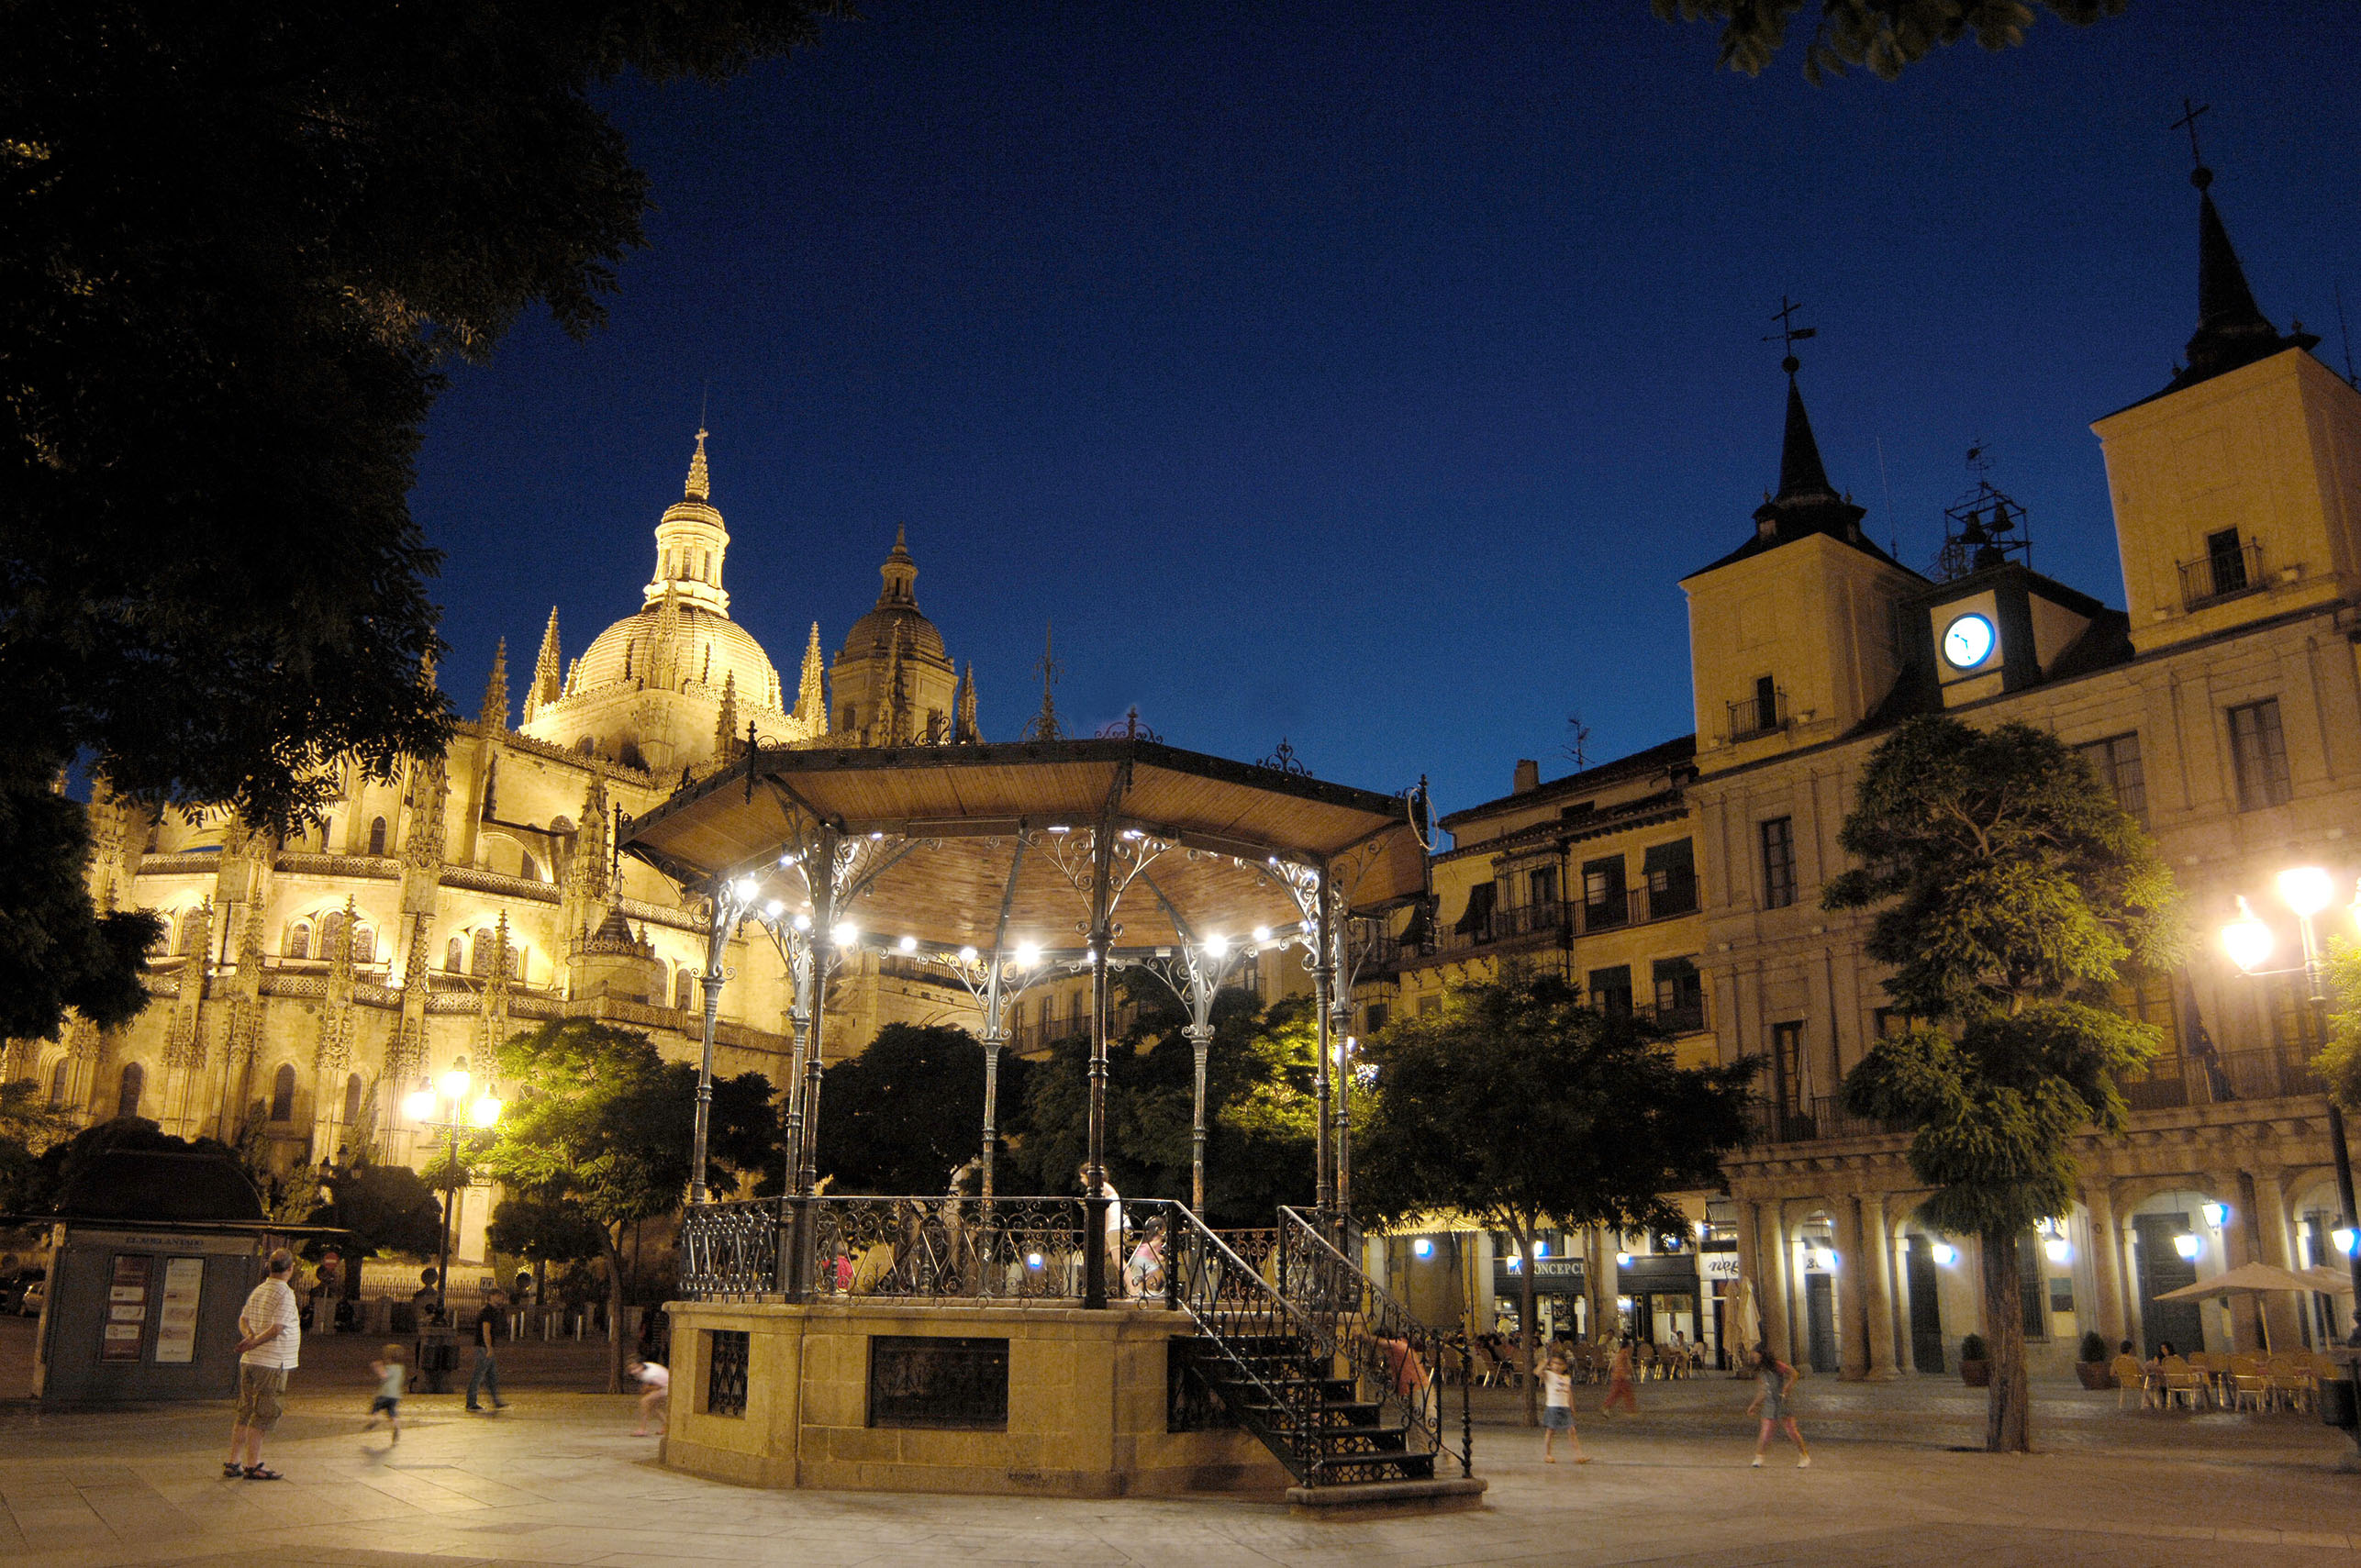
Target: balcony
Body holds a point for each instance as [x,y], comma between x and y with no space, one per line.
[2222,575]
[1762,714]
[1519,922]
[2174,1083]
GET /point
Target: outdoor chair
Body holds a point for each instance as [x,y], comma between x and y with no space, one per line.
[2298,1389]
[2131,1377]
[2250,1391]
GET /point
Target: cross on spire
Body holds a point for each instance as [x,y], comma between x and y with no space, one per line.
[2188,122]
[1789,334]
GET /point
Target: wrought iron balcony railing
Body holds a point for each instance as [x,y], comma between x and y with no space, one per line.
[2222,575]
[1760,715]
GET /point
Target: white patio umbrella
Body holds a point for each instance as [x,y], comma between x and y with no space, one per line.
[2249,1279]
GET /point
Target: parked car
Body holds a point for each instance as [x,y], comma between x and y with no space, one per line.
[25,1292]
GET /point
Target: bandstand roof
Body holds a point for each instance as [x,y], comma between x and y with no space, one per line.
[980,845]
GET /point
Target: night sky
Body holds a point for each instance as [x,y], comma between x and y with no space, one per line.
[1366,373]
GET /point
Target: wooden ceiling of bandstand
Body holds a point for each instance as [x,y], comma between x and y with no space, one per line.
[948,824]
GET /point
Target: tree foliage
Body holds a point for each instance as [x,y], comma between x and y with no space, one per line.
[599,1130]
[2011,890]
[1518,1104]
[906,1111]
[2339,1061]
[388,1208]
[237,245]
[1883,35]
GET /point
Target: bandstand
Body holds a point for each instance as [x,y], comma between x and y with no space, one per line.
[1043,1344]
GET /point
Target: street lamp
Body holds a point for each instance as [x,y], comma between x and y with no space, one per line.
[2307,891]
[445,1105]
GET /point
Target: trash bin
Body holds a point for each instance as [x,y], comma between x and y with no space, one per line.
[438,1357]
[2336,1406]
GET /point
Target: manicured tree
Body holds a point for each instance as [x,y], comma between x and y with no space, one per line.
[2010,890]
[1516,1104]
[1882,35]
[388,1208]
[600,1125]
[904,1114]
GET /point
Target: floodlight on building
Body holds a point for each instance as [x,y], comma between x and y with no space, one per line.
[1541,1249]
[1032,1259]
[2307,890]
[1423,1247]
[2344,1236]
[2247,940]
[2214,1213]
[1943,1254]
[2058,1250]
[2188,1244]
[1622,1260]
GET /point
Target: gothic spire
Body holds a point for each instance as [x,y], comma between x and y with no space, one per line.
[700,485]
[964,710]
[495,690]
[1043,724]
[811,706]
[725,723]
[1805,503]
[549,683]
[1801,473]
[2232,329]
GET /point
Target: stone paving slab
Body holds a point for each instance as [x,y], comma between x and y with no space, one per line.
[557,1482]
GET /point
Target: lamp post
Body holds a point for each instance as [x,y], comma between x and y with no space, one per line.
[2308,890]
[444,1104]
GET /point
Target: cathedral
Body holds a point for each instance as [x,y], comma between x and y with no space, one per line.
[304,986]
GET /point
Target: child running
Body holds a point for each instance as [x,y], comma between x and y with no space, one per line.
[658,1382]
[1557,1411]
[390,1373]
[1775,1380]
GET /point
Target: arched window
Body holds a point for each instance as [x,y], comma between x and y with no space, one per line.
[516,964]
[454,956]
[684,989]
[184,939]
[529,869]
[126,1098]
[330,926]
[587,745]
[365,944]
[283,1092]
[298,943]
[58,1077]
[353,1099]
[377,835]
[481,956]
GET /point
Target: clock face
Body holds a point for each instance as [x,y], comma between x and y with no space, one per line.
[1968,641]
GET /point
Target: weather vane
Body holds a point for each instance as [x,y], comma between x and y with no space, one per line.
[1789,334]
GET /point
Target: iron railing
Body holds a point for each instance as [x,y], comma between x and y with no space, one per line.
[1759,715]
[730,1249]
[2222,575]
[1368,1323]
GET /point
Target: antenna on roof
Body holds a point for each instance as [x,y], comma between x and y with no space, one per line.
[2346,332]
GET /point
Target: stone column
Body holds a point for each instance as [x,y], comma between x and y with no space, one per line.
[1878,1260]
[1852,1294]
[2230,1187]
[2267,1224]
[1750,1270]
[1773,1303]
[2106,1264]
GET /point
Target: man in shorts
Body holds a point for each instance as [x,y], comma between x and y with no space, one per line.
[271,1325]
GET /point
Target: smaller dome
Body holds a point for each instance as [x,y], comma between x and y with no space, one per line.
[896,618]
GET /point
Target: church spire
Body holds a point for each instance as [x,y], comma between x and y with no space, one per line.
[1805,503]
[1801,473]
[1043,724]
[549,683]
[2232,329]
[900,573]
[495,690]
[963,708]
[725,723]
[700,485]
[811,706]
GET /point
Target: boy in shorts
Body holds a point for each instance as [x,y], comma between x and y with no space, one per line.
[390,1373]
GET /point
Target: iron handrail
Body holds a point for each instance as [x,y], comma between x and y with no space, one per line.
[1331,1279]
[1227,1300]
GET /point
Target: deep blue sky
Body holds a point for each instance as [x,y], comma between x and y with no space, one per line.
[1366,373]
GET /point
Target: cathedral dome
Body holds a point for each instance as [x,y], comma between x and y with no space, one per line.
[683,646]
[895,619]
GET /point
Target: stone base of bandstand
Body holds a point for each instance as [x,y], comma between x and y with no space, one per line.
[1086,1416]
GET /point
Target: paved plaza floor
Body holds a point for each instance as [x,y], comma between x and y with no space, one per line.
[557,1479]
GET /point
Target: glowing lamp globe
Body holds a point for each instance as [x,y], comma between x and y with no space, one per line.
[419,1105]
[2307,890]
[485,1111]
[455,1083]
[2247,940]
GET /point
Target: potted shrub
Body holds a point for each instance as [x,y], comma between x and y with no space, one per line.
[2092,1366]
[1975,1369]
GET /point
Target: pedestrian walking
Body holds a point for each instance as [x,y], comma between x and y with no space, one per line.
[1619,1390]
[657,1381]
[272,1330]
[1775,1380]
[489,1324]
[1557,1408]
[392,1375]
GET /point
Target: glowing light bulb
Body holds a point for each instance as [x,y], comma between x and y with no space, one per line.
[2343,1236]
[1423,1247]
[2188,1245]
[908,944]
[1622,1260]
[485,1111]
[845,935]
[1217,945]
[419,1105]
[745,887]
[2247,940]
[1028,954]
[1262,933]
[1943,1254]
[455,1083]
[2306,889]
[2214,1213]
[803,922]
[775,908]
[2059,1249]
[967,955]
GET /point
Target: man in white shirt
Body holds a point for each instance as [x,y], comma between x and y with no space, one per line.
[273,1330]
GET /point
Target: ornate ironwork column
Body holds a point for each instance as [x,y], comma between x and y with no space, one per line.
[1093,1201]
[729,907]
[1200,1044]
[1324,977]
[827,853]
